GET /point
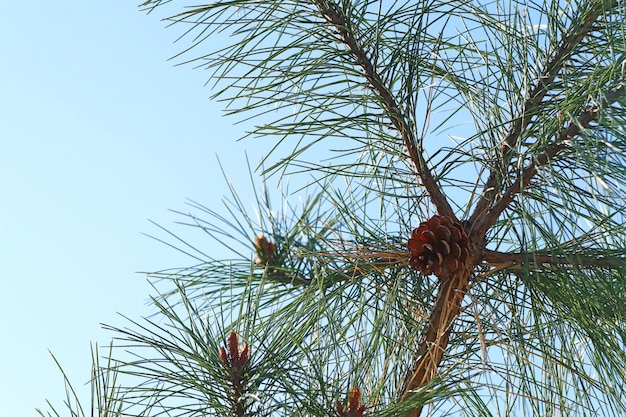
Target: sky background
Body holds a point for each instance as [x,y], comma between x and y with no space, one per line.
[99,134]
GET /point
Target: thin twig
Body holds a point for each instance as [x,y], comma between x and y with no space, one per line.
[334,15]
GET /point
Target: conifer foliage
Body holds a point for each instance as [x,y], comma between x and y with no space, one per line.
[459,244]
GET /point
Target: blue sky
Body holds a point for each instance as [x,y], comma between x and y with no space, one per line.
[99,134]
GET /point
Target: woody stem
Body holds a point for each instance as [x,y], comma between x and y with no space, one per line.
[435,337]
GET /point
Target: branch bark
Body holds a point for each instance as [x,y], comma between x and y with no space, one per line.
[575,260]
[335,17]
[434,339]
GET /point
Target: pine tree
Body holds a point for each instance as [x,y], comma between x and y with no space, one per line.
[461,248]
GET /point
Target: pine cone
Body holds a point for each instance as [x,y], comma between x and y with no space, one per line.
[267,256]
[354,407]
[438,246]
[265,251]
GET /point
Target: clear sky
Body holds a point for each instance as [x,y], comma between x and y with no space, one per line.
[99,134]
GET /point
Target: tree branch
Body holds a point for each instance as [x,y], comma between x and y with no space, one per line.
[535,97]
[575,260]
[484,222]
[436,335]
[334,15]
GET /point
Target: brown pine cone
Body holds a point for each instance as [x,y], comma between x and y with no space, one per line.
[438,246]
